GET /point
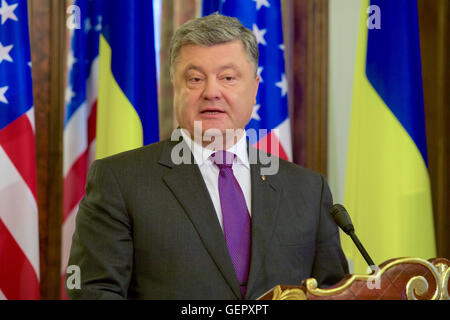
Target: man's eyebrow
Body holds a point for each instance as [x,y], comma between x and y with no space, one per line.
[232,66]
[190,67]
[193,67]
[229,66]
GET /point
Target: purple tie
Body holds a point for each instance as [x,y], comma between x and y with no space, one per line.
[235,217]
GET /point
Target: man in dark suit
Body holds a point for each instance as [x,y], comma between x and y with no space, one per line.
[200,216]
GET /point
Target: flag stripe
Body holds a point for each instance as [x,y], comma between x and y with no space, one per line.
[91,152]
[92,124]
[2,296]
[18,210]
[67,232]
[18,279]
[79,133]
[30,115]
[92,85]
[75,181]
[132,61]
[270,140]
[75,138]
[285,138]
[17,140]
[394,67]
[119,127]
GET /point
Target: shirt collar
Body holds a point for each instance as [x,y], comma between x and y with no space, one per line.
[201,154]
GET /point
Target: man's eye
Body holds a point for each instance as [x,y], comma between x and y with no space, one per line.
[229,78]
[195,80]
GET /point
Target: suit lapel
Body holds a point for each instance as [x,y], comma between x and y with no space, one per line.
[265,202]
[186,183]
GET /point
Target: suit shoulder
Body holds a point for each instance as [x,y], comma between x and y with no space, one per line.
[291,169]
[148,154]
[296,177]
[298,181]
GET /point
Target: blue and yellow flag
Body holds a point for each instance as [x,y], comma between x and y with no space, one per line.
[387,190]
[127,115]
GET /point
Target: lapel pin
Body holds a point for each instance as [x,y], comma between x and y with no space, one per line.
[263,178]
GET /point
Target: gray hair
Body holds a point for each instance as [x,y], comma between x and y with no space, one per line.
[212,30]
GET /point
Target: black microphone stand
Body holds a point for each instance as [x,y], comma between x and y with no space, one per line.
[361,248]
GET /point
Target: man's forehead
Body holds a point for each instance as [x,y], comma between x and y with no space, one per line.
[220,46]
[190,59]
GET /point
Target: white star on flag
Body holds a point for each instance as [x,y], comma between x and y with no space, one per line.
[99,26]
[260,70]
[259,34]
[2,95]
[87,25]
[71,60]
[7,12]
[282,85]
[255,114]
[281,46]
[69,94]
[260,3]
[4,53]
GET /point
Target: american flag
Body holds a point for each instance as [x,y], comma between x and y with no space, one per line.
[19,230]
[80,118]
[270,113]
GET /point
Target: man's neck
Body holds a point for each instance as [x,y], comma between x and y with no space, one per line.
[201,153]
[222,141]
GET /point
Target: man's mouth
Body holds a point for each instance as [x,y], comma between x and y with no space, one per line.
[211,111]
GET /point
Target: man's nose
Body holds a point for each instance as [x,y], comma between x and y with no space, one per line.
[212,90]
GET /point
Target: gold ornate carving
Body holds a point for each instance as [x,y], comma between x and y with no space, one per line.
[311,286]
[444,272]
[431,283]
[288,294]
[416,286]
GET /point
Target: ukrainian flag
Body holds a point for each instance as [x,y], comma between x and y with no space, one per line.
[387,189]
[127,114]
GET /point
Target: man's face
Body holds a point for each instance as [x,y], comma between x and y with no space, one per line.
[215,85]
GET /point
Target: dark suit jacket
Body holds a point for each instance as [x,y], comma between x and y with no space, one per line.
[147,229]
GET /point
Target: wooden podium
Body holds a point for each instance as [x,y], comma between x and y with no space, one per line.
[396,279]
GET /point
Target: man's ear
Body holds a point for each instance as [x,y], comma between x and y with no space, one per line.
[257,80]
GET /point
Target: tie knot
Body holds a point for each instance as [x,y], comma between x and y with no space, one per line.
[223,159]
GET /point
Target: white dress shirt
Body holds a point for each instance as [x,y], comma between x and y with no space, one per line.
[210,172]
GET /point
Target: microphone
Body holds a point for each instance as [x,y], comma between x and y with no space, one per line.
[342,219]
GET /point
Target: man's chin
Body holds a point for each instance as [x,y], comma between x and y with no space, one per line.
[222,137]
[210,128]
